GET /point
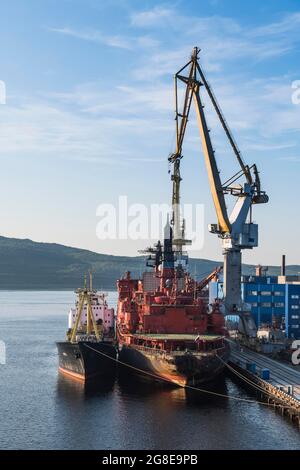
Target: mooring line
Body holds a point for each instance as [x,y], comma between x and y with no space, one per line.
[209,392]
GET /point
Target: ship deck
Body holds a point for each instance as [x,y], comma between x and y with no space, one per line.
[176,337]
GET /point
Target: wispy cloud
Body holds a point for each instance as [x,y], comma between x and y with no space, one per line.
[290,22]
[153,17]
[71,126]
[118,41]
[266,147]
[86,123]
[223,39]
[290,159]
[94,36]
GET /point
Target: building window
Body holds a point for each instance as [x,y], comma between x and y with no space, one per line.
[294,296]
[294,307]
[279,304]
[252,292]
[295,317]
[295,326]
[253,304]
[265,292]
[278,292]
[266,304]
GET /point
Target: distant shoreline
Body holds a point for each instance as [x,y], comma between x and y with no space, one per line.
[26,265]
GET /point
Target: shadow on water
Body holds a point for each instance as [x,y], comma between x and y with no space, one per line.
[211,394]
[134,386]
[75,390]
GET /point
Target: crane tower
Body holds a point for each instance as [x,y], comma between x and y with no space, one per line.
[237,230]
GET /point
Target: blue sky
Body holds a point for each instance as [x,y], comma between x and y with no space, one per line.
[89,112]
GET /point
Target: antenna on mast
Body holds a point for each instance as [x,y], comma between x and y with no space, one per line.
[91,279]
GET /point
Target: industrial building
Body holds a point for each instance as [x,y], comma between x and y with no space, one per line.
[274,300]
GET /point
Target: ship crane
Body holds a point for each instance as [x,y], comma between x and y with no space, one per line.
[236,230]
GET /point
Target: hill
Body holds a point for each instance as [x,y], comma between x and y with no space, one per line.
[25,264]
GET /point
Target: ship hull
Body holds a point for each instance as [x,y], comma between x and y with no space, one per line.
[87,360]
[181,370]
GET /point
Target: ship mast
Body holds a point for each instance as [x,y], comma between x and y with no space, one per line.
[181,120]
[85,299]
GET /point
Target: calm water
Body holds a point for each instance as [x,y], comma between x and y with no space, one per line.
[40,410]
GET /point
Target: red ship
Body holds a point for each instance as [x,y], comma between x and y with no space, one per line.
[165,326]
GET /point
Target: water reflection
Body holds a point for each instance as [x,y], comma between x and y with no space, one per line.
[76,390]
[212,394]
[134,386]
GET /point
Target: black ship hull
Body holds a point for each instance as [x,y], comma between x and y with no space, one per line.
[87,360]
[182,369]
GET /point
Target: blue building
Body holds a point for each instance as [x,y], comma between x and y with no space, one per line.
[266,297]
[292,309]
[272,299]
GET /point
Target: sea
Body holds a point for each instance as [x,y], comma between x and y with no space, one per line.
[41,409]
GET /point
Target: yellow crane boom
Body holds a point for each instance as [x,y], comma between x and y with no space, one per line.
[236,233]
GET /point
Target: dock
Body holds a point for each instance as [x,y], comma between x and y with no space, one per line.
[275,382]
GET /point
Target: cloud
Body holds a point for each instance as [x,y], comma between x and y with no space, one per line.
[140,100]
[262,107]
[270,146]
[86,124]
[94,36]
[153,17]
[290,159]
[118,41]
[222,39]
[290,22]
[72,126]
[133,121]
[217,54]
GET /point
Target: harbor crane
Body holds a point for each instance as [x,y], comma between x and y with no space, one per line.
[237,230]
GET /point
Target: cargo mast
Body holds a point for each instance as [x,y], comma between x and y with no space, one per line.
[181,120]
[85,299]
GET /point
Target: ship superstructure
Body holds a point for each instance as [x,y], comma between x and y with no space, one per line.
[102,313]
[89,350]
[165,325]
